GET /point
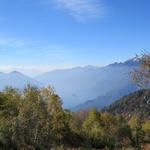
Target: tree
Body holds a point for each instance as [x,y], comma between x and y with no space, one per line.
[32,119]
[123,135]
[137,132]
[141,76]
[146,129]
[93,129]
[109,123]
[9,110]
[77,120]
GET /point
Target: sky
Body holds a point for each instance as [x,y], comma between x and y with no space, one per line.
[37,36]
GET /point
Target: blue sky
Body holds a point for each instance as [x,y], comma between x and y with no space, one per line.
[42,35]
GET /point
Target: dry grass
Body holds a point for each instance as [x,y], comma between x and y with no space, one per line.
[146,147]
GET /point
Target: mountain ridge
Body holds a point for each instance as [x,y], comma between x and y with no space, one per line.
[87,83]
[77,85]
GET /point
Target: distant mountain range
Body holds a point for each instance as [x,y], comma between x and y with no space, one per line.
[116,83]
[100,85]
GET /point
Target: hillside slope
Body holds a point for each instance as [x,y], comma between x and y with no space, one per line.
[135,103]
[105,100]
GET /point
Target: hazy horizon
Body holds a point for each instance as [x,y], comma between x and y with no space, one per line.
[50,69]
[40,36]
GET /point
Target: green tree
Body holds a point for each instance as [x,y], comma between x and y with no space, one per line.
[57,119]
[9,110]
[109,123]
[137,132]
[93,129]
[32,119]
[146,129]
[124,135]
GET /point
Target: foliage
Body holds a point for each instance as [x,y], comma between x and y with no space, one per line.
[137,103]
[146,129]
[34,119]
[141,76]
[137,132]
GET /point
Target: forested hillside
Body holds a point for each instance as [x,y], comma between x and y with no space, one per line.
[137,103]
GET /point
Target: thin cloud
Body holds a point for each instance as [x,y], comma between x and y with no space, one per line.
[10,41]
[32,48]
[14,51]
[83,10]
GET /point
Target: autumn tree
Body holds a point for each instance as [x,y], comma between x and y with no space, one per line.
[141,76]
[32,119]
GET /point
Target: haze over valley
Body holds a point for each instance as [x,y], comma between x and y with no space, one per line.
[81,87]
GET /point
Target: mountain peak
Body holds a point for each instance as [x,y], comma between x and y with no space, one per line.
[133,61]
[90,67]
[115,64]
[15,73]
